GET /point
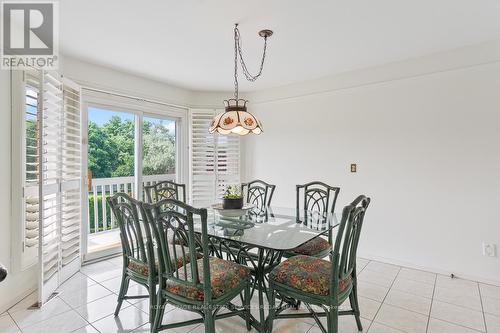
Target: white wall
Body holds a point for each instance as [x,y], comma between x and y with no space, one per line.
[426,145]
[107,79]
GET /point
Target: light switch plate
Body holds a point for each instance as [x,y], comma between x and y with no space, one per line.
[354,167]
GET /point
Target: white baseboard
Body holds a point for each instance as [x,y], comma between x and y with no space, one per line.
[429,269]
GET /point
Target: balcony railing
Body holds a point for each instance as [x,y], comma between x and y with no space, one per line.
[101,218]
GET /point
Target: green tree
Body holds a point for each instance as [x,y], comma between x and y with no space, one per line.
[158,149]
[102,151]
[111,148]
[121,133]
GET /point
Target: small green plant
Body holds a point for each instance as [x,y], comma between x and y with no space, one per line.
[232,192]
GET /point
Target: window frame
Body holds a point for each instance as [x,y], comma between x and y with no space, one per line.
[140,108]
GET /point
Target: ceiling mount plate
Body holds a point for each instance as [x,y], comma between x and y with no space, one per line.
[265,33]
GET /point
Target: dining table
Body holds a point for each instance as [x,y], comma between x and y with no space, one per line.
[260,238]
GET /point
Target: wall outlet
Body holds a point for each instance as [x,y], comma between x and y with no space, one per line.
[489,250]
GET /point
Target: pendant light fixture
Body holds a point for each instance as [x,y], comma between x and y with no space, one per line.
[236,119]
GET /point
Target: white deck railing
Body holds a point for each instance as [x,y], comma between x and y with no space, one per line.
[102,188]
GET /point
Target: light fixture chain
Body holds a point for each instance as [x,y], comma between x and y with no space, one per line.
[250,77]
[236,62]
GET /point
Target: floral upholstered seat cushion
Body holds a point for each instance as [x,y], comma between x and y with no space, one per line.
[312,247]
[142,268]
[307,274]
[224,276]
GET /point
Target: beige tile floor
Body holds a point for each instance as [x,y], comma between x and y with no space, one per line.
[393,299]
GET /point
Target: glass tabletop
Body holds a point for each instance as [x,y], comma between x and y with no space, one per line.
[274,228]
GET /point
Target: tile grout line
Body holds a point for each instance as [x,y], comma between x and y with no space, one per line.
[46,319]
[73,309]
[382,303]
[432,302]
[482,308]
[454,323]
[310,328]
[371,321]
[15,323]
[357,273]
[459,325]
[96,283]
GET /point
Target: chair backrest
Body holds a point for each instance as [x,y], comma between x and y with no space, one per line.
[127,214]
[165,190]
[258,193]
[346,243]
[317,196]
[177,225]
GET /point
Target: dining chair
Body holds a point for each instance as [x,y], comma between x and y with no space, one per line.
[258,192]
[324,283]
[165,190]
[318,197]
[140,258]
[136,260]
[204,287]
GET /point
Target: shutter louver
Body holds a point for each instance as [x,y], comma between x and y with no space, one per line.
[33,79]
[228,162]
[71,176]
[202,159]
[215,160]
[50,157]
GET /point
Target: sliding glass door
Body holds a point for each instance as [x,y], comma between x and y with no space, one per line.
[110,169]
[127,149]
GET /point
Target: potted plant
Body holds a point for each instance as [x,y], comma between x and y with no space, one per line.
[232,198]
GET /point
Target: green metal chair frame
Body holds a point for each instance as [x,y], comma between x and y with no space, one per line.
[165,190]
[258,192]
[319,197]
[343,259]
[179,220]
[129,215]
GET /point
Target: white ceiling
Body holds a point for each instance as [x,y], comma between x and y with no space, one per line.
[189,43]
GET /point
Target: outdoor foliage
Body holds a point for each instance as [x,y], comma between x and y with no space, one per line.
[111,154]
[111,148]
[158,150]
[99,214]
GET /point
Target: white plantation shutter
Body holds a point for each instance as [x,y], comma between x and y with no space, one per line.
[46,176]
[30,217]
[227,162]
[214,160]
[202,159]
[71,164]
[51,177]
